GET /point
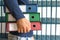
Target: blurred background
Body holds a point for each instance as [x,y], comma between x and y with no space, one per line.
[44,17]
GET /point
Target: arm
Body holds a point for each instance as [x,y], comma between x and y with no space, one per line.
[14,8]
[23,24]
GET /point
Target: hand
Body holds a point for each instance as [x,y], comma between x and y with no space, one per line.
[23,25]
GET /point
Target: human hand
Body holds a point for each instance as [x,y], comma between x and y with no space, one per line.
[23,25]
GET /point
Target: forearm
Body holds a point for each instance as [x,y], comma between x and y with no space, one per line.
[14,8]
[17,13]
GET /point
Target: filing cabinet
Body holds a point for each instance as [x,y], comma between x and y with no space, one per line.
[36,26]
[3,35]
[29,16]
[2,14]
[12,19]
[34,17]
[3,28]
[22,7]
[25,8]
[1,3]
[3,18]
[49,20]
[13,26]
[1,9]
[43,20]
[12,37]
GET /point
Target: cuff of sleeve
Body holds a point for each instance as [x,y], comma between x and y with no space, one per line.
[29,34]
[20,17]
[17,17]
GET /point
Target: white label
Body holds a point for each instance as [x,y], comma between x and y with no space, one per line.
[26,16]
[23,8]
[12,27]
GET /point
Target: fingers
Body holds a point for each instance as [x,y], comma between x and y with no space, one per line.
[24,26]
[28,26]
[18,30]
[28,30]
[22,31]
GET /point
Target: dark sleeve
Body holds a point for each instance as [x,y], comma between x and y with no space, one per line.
[14,8]
[16,12]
